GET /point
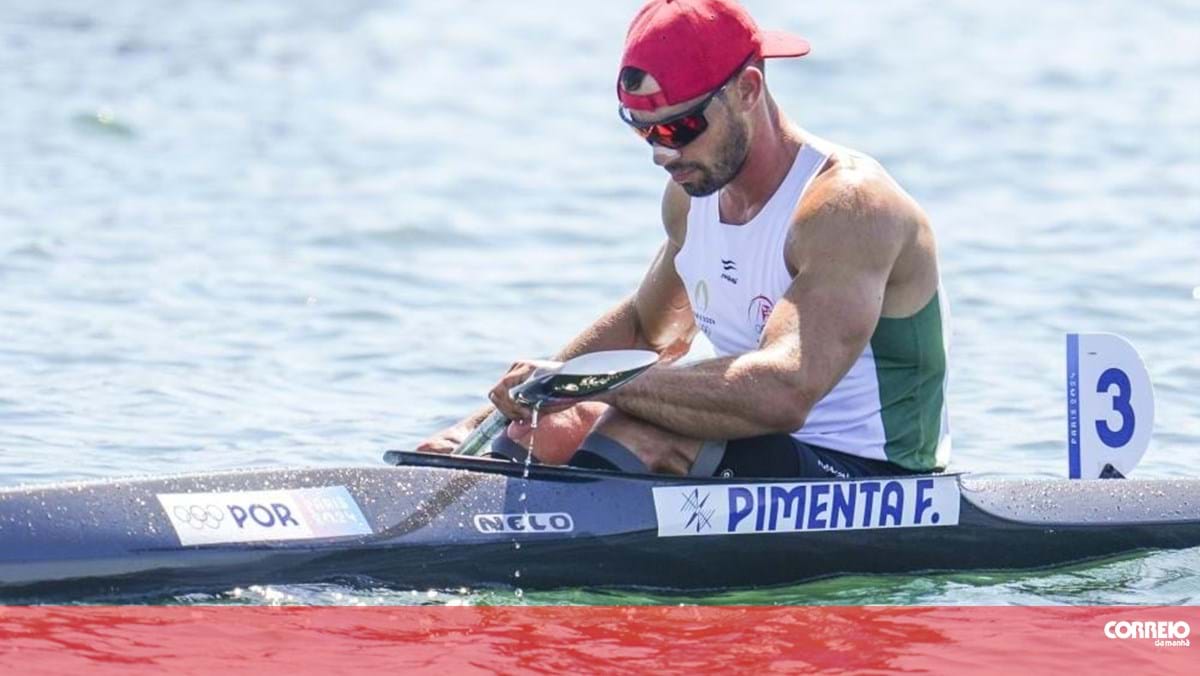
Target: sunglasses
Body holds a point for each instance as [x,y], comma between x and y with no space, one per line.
[680,129]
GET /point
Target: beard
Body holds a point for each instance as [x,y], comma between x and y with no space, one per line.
[731,155]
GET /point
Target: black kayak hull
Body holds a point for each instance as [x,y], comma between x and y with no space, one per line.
[447,522]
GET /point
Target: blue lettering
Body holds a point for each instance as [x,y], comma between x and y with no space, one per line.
[924,503]
[892,503]
[515,522]
[264,521]
[843,504]
[239,515]
[533,523]
[792,502]
[868,489]
[817,507]
[284,514]
[1120,403]
[741,503]
[761,512]
[560,522]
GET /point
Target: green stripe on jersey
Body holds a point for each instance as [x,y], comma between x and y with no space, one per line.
[910,364]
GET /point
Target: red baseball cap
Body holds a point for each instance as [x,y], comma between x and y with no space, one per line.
[691,47]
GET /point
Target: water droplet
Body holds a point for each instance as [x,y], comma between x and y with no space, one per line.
[520,592]
[517,573]
[516,545]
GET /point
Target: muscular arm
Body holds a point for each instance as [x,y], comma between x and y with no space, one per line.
[657,316]
[842,250]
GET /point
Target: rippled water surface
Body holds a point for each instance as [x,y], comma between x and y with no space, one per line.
[299,233]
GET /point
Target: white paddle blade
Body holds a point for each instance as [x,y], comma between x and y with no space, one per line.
[608,362]
[1110,405]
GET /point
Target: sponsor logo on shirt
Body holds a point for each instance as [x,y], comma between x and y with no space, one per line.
[700,306]
[729,267]
[815,506]
[700,296]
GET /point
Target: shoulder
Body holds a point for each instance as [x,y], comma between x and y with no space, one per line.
[675,206]
[856,191]
[854,206]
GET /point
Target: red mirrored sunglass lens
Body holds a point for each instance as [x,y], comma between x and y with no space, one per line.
[674,134]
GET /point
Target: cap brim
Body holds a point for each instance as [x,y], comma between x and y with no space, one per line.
[778,44]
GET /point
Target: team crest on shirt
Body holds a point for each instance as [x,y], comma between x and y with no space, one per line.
[758,312]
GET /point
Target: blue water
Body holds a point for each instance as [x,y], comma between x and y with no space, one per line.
[299,233]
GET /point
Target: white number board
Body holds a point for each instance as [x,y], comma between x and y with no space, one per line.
[1110,405]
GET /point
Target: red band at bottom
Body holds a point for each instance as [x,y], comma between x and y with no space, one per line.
[300,640]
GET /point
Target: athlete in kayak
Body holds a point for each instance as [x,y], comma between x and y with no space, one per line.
[811,272]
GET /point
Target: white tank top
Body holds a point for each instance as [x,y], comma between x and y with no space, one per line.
[734,274]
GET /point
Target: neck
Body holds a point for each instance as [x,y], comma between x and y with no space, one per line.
[774,143]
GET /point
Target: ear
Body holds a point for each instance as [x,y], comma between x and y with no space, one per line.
[750,87]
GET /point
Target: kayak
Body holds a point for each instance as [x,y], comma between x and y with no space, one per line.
[448,521]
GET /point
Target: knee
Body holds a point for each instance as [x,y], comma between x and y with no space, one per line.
[660,450]
[617,424]
[558,434]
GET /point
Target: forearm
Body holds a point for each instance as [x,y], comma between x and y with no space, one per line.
[726,398]
[617,329]
[476,418]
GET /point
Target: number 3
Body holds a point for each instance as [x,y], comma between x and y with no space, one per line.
[1120,403]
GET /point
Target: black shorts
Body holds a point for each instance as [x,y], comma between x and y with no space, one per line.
[771,456]
[780,455]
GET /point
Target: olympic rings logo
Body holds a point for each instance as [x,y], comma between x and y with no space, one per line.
[199,516]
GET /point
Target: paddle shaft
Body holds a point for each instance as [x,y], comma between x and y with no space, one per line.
[482,436]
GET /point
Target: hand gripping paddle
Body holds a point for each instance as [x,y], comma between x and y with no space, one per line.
[574,380]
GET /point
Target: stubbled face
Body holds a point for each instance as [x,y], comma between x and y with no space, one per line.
[710,162]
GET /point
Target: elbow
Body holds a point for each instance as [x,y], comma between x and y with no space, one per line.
[784,421]
[785,409]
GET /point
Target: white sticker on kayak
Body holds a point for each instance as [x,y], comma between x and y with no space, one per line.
[808,507]
[257,516]
[543,522]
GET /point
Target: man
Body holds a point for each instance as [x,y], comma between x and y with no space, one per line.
[812,273]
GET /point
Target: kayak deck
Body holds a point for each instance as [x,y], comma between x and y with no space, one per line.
[447,521]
